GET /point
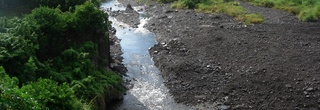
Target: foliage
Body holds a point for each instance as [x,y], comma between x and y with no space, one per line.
[59,30]
[54,56]
[251,18]
[12,98]
[42,94]
[64,5]
[16,50]
[53,96]
[50,27]
[307,10]
[90,19]
[166,1]
[229,7]
[88,80]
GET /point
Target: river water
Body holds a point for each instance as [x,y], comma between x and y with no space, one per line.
[149,91]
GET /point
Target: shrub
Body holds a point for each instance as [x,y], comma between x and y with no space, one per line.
[307,15]
[42,94]
[53,96]
[12,98]
[179,5]
[166,1]
[190,3]
[50,49]
[232,9]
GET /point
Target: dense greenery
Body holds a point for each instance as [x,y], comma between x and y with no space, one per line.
[307,10]
[56,57]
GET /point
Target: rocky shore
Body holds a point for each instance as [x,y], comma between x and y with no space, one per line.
[115,54]
[211,60]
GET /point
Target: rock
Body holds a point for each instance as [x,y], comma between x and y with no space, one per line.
[155,52]
[310,90]
[224,107]
[162,16]
[113,30]
[129,16]
[169,11]
[200,96]
[307,96]
[129,7]
[288,86]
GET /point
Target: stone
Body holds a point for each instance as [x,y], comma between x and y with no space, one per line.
[310,89]
[224,107]
[288,86]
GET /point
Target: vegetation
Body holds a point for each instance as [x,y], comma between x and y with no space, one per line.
[251,18]
[55,57]
[307,10]
[229,7]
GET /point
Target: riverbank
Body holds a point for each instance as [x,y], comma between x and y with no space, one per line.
[211,59]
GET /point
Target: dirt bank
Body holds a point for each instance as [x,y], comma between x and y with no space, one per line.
[212,59]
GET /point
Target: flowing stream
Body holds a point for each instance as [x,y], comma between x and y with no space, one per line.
[149,91]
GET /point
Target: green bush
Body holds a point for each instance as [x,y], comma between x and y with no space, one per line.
[190,3]
[42,94]
[12,98]
[307,15]
[88,80]
[52,49]
[15,56]
[166,1]
[53,96]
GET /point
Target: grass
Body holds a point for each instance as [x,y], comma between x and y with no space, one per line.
[306,10]
[228,7]
[251,18]
[179,5]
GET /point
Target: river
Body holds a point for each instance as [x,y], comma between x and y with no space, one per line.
[149,91]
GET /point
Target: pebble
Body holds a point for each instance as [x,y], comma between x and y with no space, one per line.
[200,96]
[224,107]
[288,86]
[162,16]
[307,96]
[155,52]
[310,89]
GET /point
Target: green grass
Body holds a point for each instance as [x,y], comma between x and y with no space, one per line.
[228,7]
[251,18]
[179,5]
[306,10]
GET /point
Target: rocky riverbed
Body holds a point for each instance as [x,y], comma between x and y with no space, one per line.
[211,60]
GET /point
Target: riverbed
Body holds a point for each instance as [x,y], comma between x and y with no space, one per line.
[148,90]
